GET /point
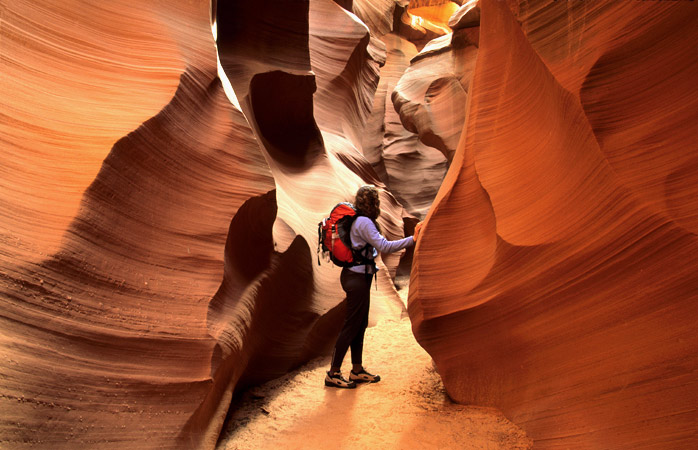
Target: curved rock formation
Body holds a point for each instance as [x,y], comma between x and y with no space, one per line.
[69,91]
[431,95]
[123,354]
[386,143]
[390,147]
[190,267]
[103,311]
[569,215]
[157,243]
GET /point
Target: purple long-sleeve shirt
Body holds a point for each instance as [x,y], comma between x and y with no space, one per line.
[363,231]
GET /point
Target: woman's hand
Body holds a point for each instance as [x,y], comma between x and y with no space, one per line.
[417,228]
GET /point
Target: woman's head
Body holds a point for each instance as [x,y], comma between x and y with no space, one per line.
[368,202]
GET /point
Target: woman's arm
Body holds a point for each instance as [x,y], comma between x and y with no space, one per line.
[368,232]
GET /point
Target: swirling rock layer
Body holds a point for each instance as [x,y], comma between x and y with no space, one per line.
[390,147]
[567,296]
[181,264]
[157,243]
[107,337]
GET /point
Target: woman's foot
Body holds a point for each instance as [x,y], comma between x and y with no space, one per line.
[335,379]
[363,377]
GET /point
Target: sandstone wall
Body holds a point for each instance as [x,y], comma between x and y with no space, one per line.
[158,245]
[557,274]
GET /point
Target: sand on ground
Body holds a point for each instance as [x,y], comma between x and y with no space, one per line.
[407,409]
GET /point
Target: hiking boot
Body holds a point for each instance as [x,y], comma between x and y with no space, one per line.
[364,377]
[338,381]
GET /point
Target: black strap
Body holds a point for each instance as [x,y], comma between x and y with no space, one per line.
[319,242]
[361,256]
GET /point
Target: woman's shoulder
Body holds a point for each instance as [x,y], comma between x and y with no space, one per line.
[363,221]
[362,224]
[366,227]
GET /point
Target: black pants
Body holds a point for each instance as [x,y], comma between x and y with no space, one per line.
[358,289]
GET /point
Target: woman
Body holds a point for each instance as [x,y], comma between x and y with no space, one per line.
[356,282]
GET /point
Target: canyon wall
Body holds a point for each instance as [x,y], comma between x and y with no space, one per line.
[161,184]
[557,273]
[158,242]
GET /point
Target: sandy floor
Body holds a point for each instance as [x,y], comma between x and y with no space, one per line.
[408,409]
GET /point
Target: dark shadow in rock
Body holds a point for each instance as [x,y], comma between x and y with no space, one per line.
[275,29]
[282,104]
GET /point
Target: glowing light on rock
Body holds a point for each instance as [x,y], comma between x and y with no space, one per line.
[416,21]
[431,15]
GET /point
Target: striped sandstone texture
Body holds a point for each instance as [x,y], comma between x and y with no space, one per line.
[557,275]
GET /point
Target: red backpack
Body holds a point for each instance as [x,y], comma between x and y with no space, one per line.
[334,240]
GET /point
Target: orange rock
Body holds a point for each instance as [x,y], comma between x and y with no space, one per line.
[189,268]
[391,148]
[432,92]
[556,274]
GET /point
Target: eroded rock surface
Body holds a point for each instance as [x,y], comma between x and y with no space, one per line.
[157,243]
[432,93]
[567,296]
[388,142]
[106,337]
[181,265]
[124,166]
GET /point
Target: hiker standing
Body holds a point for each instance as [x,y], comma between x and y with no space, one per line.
[356,281]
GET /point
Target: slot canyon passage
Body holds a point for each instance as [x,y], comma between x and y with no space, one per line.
[164,166]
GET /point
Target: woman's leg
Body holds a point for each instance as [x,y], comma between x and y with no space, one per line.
[357,288]
[357,344]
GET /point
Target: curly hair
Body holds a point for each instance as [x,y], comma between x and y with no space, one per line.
[368,202]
